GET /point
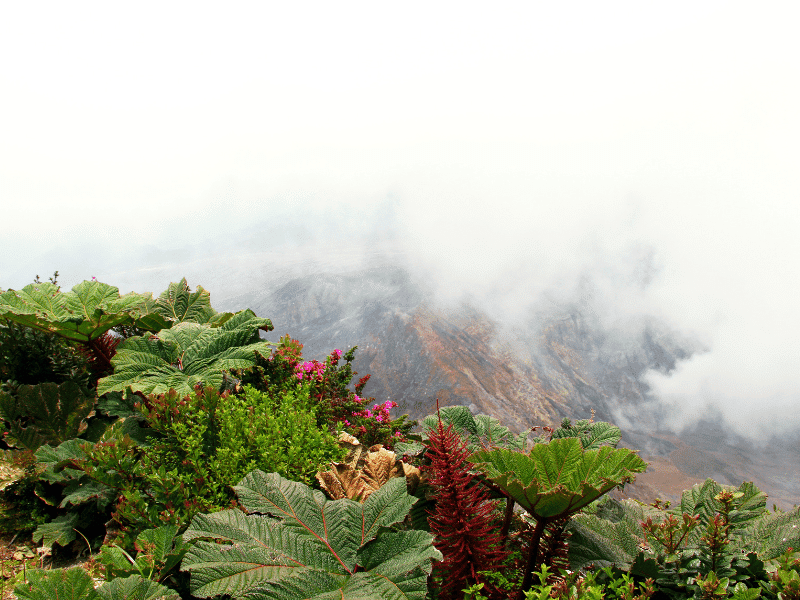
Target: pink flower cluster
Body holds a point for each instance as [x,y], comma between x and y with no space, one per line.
[314,369]
[310,370]
[380,412]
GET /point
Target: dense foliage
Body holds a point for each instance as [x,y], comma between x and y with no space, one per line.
[197,458]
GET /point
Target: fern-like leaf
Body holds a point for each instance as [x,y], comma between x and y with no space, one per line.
[558,478]
[46,413]
[63,584]
[187,355]
[295,543]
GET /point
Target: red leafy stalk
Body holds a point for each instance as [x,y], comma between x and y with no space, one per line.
[100,351]
[462,519]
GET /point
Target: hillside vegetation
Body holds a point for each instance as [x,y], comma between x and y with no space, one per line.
[175,453]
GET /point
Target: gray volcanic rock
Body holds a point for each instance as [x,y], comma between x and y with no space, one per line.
[560,364]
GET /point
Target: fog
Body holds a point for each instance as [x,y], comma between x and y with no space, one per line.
[638,159]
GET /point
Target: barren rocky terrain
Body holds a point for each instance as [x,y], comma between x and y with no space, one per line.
[558,364]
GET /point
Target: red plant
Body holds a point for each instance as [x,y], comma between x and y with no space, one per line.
[462,520]
[100,351]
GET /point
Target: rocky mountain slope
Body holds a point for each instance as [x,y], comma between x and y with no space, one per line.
[561,363]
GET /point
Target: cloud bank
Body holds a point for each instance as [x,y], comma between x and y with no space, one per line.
[639,158]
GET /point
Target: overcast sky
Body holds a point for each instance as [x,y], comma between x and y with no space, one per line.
[510,151]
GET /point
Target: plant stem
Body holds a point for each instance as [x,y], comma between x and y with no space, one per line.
[533,558]
[507,521]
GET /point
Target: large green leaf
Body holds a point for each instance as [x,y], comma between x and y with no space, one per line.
[186,355]
[179,304]
[75,584]
[60,530]
[772,534]
[295,543]
[60,584]
[592,434]
[135,587]
[54,459]
[159,551]
[611,535]
[560,477]
[83,314]
[46,413]
[480,431]
[83,489]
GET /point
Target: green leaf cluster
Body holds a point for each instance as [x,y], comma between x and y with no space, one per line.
[559,478]
[46,413]
[723,535]
[592,434]
[180,455]
[159,552]
[479,431]
[75,584]
[187,355]
[92,308]
[295,543]
[83,314]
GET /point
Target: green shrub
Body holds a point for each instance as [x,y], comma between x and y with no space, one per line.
[180,455]
[205,442]
[329,384]
[278,435]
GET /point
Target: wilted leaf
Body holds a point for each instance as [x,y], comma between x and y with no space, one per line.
[364,471]
[10,472]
